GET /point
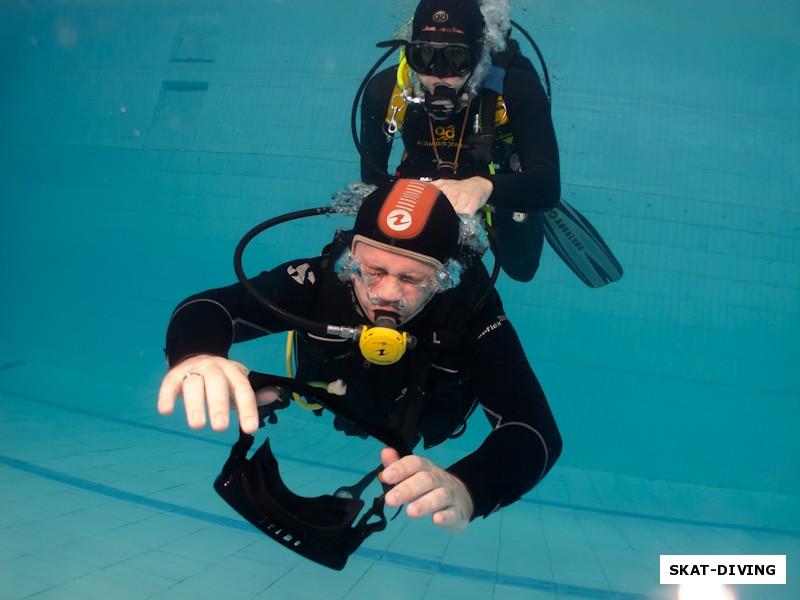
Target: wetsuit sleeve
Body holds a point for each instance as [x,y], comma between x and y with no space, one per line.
[375,145]
[538,186]
[212,321]
[525,441]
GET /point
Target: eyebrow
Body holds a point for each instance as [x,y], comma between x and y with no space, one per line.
[406,273]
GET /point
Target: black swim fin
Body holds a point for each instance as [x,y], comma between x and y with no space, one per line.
[519,240]
[580,246]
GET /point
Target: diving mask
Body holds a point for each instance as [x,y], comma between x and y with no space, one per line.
[444,278]
[440,60]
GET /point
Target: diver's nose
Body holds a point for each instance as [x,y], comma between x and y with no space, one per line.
[390,289]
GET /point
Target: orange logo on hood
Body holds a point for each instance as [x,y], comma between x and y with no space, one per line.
[407,209]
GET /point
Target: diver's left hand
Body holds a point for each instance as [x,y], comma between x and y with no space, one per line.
[466,195]
[427,489]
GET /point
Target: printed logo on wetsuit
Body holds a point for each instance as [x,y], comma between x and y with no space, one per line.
[440,16]
[407,208]
[500,320]
[302,274]
[445,134]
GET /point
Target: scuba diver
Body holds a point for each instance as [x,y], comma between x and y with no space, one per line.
[475,119]
[399,321]
[439,97]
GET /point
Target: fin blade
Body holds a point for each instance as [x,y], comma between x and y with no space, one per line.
[579,245]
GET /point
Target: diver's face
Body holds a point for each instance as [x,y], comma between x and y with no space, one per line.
[390,282]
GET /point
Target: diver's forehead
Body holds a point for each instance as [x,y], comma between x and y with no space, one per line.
[389,261]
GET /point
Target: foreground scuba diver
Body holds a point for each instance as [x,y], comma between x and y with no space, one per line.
[400,267]
[474,118]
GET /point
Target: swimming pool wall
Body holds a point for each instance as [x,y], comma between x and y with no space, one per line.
[139,141]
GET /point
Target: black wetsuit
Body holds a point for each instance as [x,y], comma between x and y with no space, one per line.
[528,179]
[486,364]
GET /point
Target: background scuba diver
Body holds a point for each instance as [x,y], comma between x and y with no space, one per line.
[515,169]
[404,268]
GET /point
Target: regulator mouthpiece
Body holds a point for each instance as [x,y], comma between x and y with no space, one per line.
[385,319]
[442,102]
[383,344]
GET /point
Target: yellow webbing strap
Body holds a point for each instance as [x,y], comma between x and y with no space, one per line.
[396,111]
[290,373]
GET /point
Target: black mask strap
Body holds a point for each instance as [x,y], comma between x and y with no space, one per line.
[321,528]
[317,528]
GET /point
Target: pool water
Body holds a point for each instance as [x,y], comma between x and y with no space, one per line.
[139,142]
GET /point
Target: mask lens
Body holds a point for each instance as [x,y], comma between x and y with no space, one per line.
[458,58]
[368,278]
[420,56]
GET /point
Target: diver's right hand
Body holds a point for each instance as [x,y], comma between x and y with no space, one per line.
[467,196]
[210,383]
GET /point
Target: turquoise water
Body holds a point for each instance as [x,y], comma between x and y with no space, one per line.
[138,142]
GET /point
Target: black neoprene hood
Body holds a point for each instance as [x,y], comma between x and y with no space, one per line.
[411,215]
[442,20]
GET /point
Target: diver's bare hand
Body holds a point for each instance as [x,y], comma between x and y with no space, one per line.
[210,383]
[427,489]
[466,195]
